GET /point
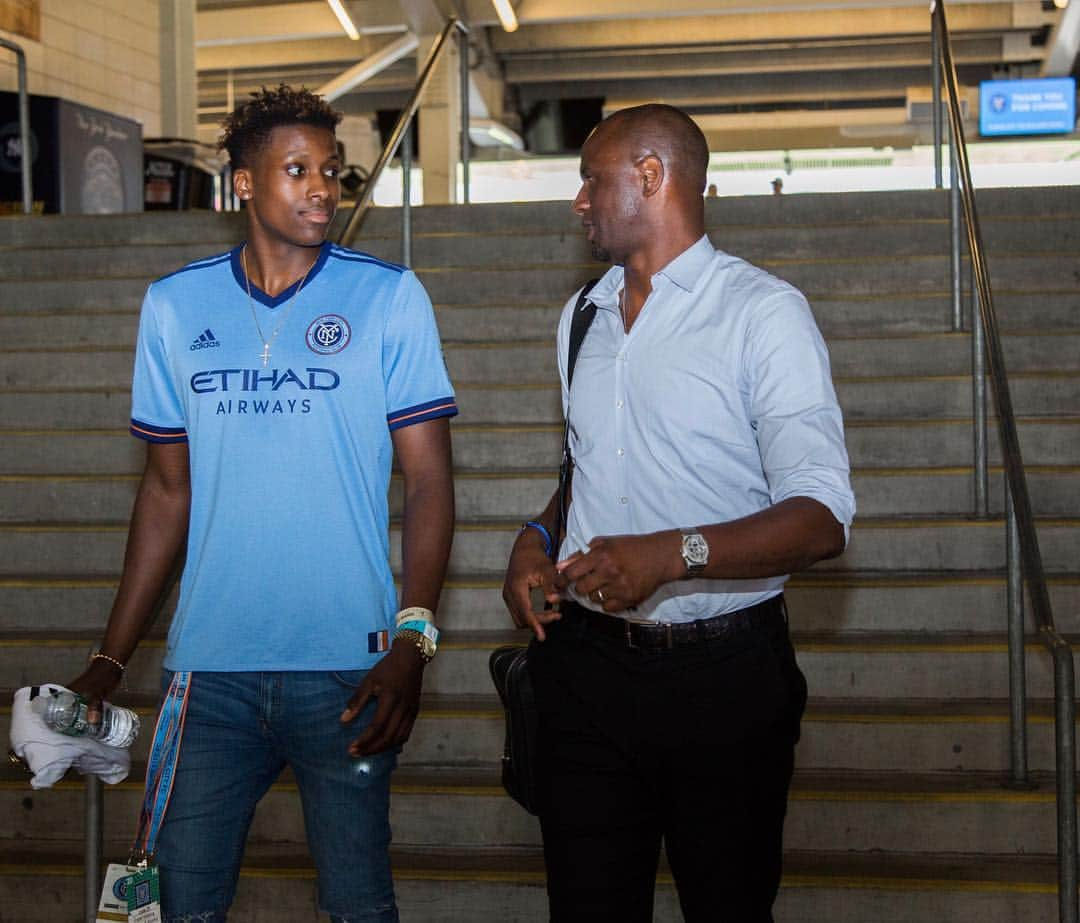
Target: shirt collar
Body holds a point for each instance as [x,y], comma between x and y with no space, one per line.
[688,266]
[685,271]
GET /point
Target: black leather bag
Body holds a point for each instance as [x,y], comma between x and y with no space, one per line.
[509,665]
[510,674]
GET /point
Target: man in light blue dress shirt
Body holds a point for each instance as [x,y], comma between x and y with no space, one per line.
[709,464]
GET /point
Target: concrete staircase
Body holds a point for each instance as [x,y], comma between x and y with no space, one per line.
[898,812]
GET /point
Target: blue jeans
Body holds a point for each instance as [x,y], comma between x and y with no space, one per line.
[240,732]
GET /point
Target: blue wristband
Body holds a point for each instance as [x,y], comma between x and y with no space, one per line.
[542,529]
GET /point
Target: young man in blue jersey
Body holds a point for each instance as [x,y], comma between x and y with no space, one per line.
[273,385]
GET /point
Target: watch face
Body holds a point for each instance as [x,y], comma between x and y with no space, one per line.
[695,550]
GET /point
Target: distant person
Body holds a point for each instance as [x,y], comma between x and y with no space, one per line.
[709,463]
[273,385]
[778,186]
[711,192]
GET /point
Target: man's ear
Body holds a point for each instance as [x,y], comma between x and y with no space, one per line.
[241,182]
[651,173]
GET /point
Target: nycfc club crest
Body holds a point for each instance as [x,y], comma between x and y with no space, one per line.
[328,334]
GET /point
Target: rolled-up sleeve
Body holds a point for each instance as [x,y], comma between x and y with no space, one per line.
[794,410]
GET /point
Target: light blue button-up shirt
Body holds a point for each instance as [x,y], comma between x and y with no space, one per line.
[717,404]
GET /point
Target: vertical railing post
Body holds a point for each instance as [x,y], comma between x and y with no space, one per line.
[935,96]
[466,149]
[1065,730]
[406,193]
[26,156]
[1014,591]
[954,234]
[978,409]
[92,848]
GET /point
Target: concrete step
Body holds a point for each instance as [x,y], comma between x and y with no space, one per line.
[872,444]
[887,209]
[952,813]
[486,246]
[837,664]
[907,398]
[534,362]
[464,886]
[519,494]
[550,283]
[839,734]
[913,544]
[915,397]
[817,279]
[838,316]
[867,601]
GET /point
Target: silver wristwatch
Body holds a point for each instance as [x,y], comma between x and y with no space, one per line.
[695,552]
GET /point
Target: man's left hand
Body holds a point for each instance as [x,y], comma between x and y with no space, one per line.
[620,571]
[394,682]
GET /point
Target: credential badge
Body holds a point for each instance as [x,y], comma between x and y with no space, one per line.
[328,334]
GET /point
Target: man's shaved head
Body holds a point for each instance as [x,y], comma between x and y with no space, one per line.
[667,132]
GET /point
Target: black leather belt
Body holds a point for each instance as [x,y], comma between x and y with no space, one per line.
[662,636]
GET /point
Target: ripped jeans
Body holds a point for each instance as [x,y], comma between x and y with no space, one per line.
[241,730]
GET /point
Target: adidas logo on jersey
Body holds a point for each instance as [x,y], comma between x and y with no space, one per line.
[205,340]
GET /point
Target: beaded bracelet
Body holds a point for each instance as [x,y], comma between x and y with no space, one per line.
[97,655]
[542,529]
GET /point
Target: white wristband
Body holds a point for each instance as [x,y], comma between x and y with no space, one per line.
[414,613]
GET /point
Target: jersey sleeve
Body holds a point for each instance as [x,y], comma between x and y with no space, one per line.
[417,385]
[157,412]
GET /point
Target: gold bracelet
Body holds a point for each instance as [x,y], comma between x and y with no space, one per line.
[97,655]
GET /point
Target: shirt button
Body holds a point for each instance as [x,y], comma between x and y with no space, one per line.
[620,452]
[624,499]
[619,404]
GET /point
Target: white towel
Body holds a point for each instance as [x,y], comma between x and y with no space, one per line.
[50,754]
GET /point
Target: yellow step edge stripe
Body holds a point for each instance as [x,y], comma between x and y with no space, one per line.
[792,881]
[851,882]
[863,797]
[492,790]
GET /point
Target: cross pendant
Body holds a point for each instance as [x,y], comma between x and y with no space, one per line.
[265,355]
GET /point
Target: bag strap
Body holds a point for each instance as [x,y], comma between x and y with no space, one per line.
[582,318]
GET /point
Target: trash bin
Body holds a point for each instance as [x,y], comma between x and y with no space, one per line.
[180,174]
[84,161]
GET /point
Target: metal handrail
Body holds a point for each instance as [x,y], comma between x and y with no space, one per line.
[24,126]
[363,204]
[1029,563]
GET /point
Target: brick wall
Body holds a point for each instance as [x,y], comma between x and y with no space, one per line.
[101,53]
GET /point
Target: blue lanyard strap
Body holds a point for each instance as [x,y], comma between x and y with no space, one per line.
[161,769]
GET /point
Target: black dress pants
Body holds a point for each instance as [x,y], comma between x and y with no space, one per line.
[692,747]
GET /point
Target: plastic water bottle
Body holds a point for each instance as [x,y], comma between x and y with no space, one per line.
[65,712]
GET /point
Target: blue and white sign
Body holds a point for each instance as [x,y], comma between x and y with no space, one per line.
[1044,106]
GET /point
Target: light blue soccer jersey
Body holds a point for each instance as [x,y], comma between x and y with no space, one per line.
[288,550]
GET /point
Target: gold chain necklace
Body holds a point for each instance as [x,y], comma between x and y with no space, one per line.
[265,354]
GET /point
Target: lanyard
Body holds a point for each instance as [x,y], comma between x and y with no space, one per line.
[161,769]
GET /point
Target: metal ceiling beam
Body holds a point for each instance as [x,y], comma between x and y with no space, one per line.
[550,11]
[682,62]
[764,27]
[811,88]
[369,67]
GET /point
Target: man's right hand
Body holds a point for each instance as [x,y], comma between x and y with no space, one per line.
[95,684]
[530,567]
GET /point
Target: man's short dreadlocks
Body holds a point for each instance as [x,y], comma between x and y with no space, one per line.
[248,127]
